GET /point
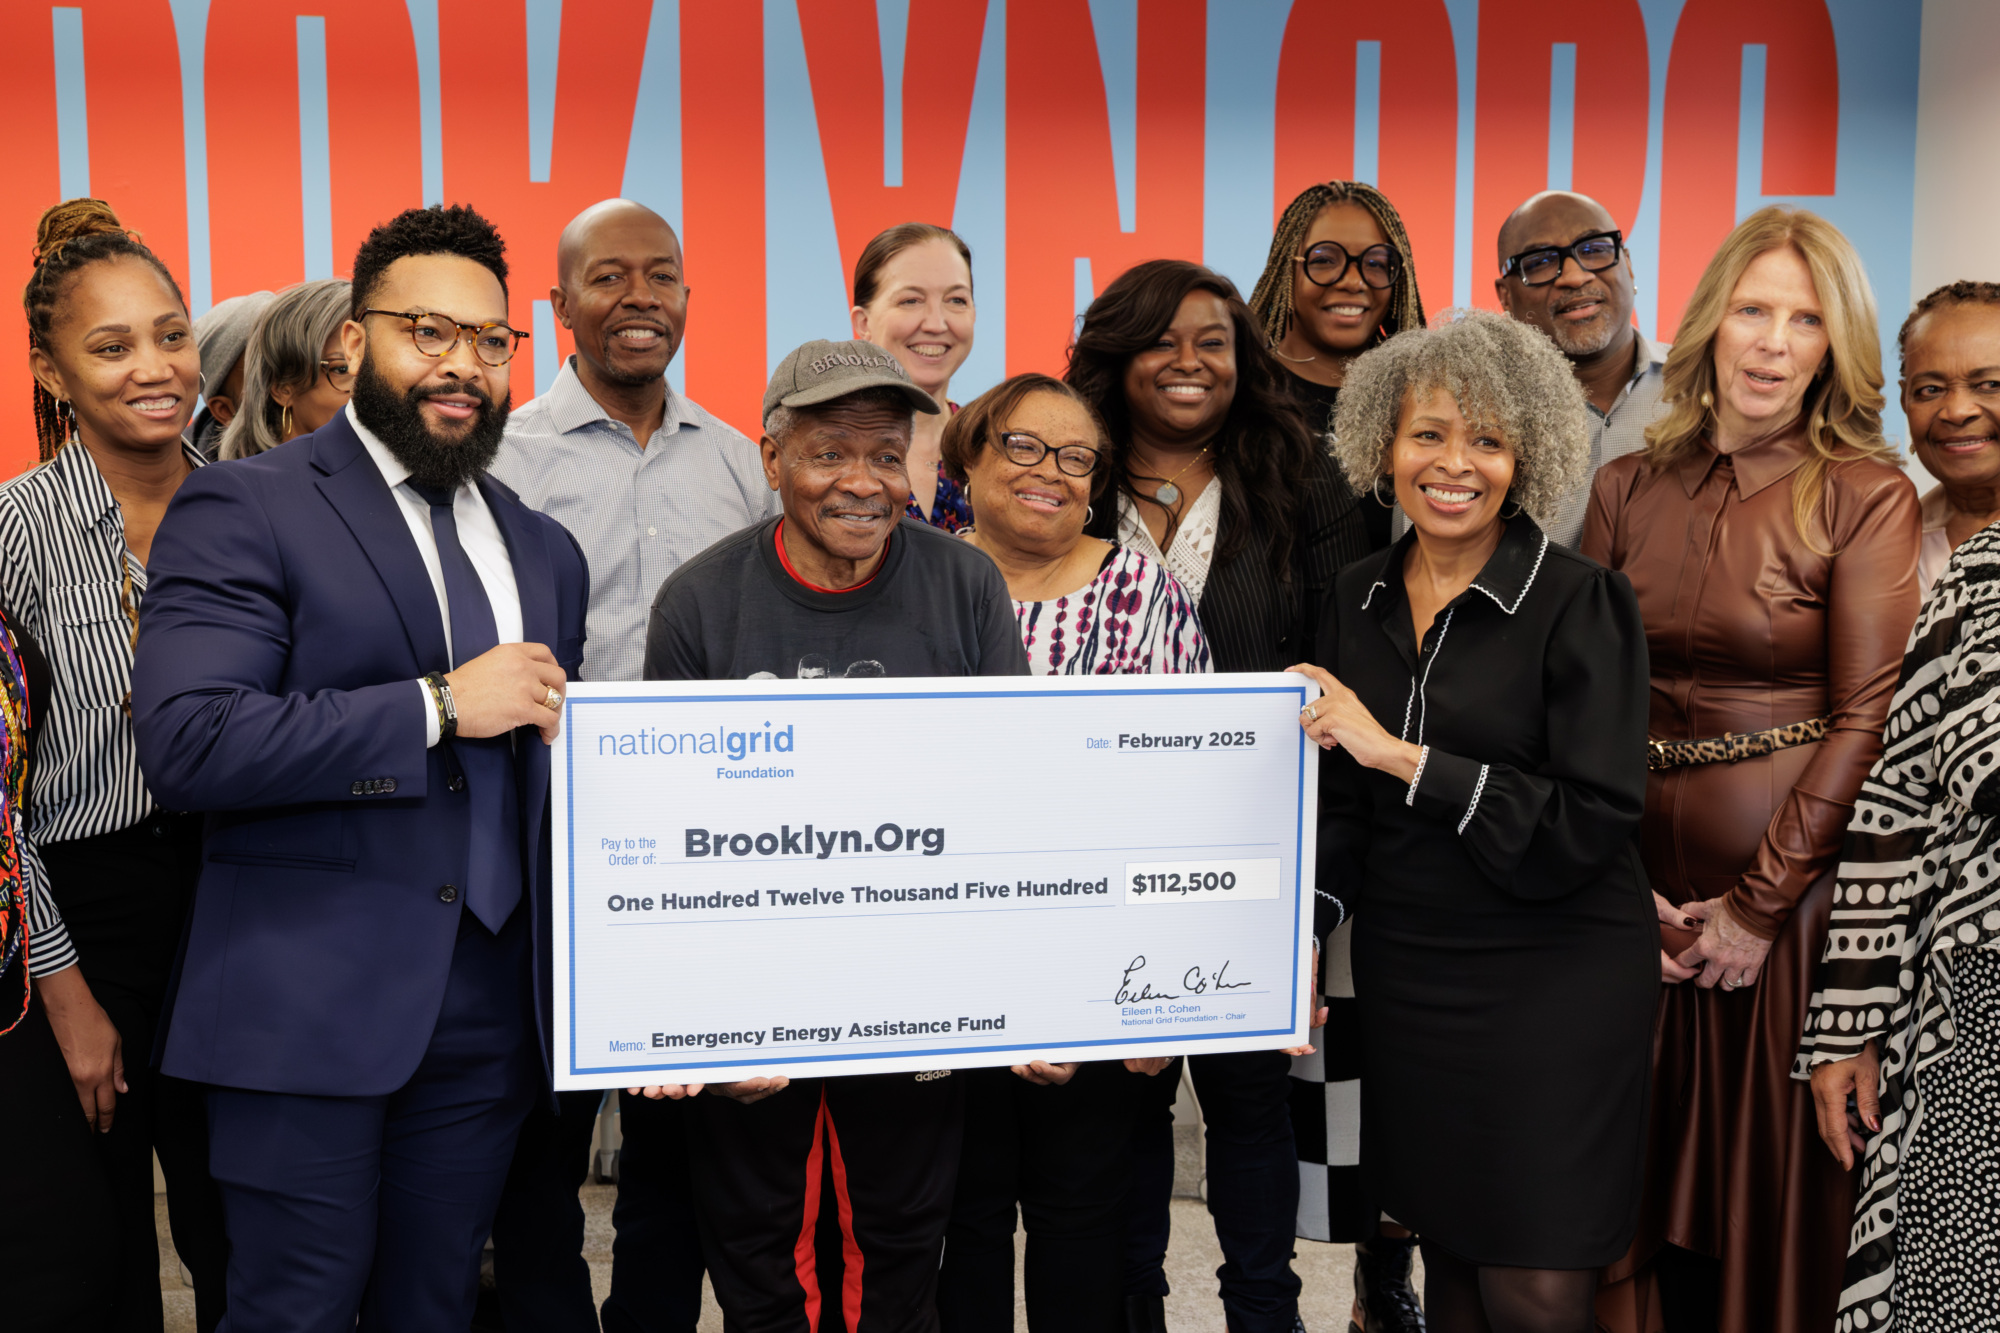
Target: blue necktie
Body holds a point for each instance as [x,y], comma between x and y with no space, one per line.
[494,866]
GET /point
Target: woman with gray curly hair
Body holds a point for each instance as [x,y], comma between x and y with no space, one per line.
[1484,701]
[295,376]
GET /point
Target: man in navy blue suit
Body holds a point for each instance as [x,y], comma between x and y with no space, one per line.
[352,657]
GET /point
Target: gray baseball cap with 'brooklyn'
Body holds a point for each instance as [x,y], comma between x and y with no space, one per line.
[821,371]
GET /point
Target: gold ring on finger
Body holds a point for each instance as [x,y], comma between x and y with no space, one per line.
[553,700]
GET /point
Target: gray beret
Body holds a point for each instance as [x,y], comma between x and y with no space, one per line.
[224,332]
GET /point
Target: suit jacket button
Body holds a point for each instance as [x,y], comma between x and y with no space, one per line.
[358,789]
[448,894]
[458,784]
[389,784]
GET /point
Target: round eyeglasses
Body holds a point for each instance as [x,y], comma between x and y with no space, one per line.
[1328,262]
[338,377]
[1025,450]
[436,335]
[1544,264]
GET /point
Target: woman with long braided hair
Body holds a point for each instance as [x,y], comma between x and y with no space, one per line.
[116,374]
[1338,281]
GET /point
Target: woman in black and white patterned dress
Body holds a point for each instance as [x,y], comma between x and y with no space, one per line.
[1086,607]
[1054,1140]
[1902,1041]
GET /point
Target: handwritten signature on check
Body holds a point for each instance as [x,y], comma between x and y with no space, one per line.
[1197,980]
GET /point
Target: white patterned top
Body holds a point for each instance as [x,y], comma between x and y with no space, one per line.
[1194,541]
[1133,619]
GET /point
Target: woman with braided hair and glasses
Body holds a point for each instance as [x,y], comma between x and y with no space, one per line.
[1338,281]
[116,374]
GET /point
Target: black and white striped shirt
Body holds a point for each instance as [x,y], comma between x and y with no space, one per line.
[64,568]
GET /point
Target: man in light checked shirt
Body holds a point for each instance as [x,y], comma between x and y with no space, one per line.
[644,479]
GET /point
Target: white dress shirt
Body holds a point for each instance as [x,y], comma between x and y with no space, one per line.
[478,533]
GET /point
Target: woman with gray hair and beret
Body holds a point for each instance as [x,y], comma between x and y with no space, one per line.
[1484,704]
[296,378]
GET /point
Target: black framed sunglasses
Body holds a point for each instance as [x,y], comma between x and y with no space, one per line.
[1025,450]
[1328,262]
[436,335]
[1544,264]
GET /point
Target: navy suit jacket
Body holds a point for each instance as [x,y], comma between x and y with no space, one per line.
[287,615]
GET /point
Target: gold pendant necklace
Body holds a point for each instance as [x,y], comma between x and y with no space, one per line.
[1170,494]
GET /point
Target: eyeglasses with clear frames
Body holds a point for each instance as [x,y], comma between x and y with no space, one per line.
[1025,450]
[436,335]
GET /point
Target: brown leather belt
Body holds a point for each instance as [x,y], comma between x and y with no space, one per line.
[1733,745]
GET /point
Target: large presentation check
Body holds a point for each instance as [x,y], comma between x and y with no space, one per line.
[860,876]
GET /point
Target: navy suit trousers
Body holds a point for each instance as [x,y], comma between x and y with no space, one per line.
[381,1205]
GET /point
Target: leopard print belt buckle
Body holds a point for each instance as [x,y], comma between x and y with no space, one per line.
[1732,746]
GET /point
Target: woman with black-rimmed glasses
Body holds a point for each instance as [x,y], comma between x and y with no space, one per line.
[295,377]
[1338,281]
[1053,1140]
[1033,453]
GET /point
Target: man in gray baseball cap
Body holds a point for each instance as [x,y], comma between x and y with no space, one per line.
[840,585]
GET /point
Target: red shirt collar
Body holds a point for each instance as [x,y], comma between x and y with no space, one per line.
[802,581]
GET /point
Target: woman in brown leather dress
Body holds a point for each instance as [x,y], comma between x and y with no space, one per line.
[1772,542]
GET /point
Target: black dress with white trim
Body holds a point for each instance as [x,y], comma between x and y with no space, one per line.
[1505,959]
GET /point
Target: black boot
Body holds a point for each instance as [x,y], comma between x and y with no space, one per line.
[1145,1314]
[1382,1285]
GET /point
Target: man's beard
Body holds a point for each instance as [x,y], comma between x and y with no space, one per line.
[1588,340]
[433,460]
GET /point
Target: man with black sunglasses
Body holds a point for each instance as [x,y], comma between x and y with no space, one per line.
[1564,268]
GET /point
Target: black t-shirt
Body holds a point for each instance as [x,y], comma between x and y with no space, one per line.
[1319,402]
[935,607]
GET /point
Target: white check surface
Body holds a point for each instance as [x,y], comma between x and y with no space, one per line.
[831,877]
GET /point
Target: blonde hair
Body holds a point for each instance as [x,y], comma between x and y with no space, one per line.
[1843,405]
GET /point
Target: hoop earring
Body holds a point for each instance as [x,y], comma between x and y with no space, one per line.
[1517,507]
[1376,491]
[285,420]
[1089,514]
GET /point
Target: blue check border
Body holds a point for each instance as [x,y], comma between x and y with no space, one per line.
[1183,1040]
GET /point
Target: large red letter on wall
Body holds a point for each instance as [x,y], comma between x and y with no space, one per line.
[1062,198]
[722,205]
[941,61]
[1704,92]
[1608,148]
[1417,144]
[484,83]
[138,160]
[374,128]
